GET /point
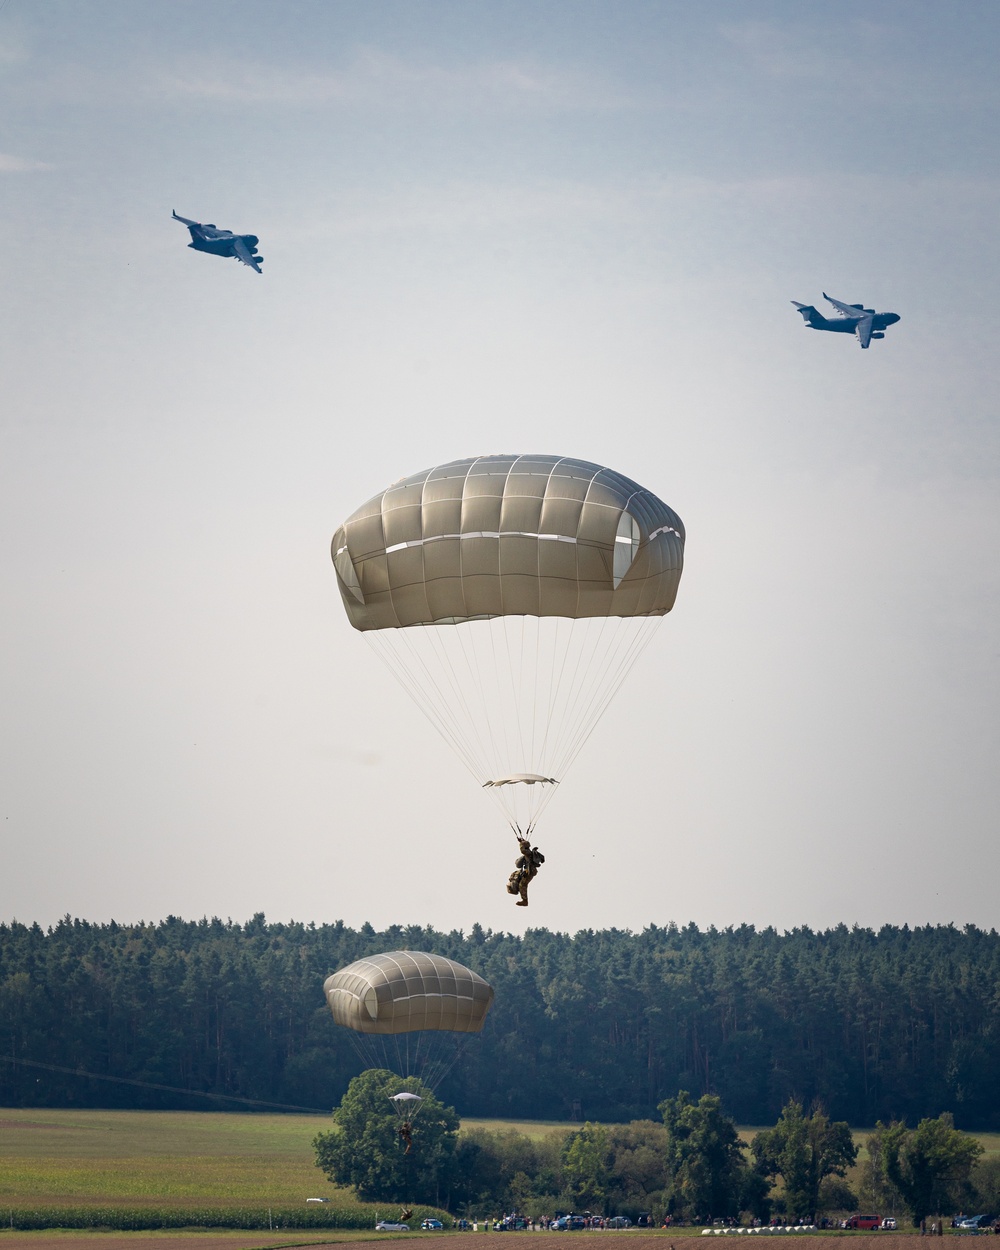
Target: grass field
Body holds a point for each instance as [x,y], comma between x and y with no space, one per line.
[535,1129]
[173,1158]
[182,1159]
[162,1158]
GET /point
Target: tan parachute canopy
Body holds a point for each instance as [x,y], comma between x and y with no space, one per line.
[402,991]
[508,536]
[510,596]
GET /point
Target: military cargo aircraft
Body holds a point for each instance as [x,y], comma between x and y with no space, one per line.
[866,323]
[223,242]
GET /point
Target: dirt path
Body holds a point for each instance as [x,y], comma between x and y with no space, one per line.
[631,1239]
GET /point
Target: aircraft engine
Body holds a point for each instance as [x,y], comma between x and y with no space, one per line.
[878,334]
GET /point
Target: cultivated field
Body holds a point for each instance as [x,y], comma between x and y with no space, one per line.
[216,1239]
[159,1158]
[627,1240]
[183,1161]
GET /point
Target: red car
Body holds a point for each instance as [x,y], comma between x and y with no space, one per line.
[865,1221]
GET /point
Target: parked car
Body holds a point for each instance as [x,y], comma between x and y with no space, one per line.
[390,1226]
[317,1200]
[569,1222]
[975,1221]
[431,1225]
[619,1221]
[864,1221]
[889,1223]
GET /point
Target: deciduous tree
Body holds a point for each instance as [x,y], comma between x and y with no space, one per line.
[931,1165]
[704,1156]
[585,1165]
[803,1151]
[364,1149]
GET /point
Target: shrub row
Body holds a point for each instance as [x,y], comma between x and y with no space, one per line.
[131,1219]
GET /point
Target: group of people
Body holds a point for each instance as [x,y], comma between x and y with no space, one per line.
[542,1223]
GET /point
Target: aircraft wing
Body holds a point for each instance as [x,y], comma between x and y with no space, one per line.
[204,230]
[864,330]
[847,309]
[244,254]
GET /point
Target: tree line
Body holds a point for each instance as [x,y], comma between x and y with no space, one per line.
[601,1025]
[689,1164]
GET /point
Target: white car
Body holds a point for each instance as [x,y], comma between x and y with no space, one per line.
[889,1223]
[387,1226]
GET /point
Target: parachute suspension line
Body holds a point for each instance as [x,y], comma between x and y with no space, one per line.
[468,735]
[637,645]
[534,688]
[587,660]
[528,668]
[471,730]
[438,1068]
[386,652]
[496,671]
[560,626]
[428,1057]
[561,714]
[555,682]
[556,657]
[358,1048]
[373,1051]
[602,697]
[515,692]
[399,1066]
[493,763]
[517,677]
[577,722]
[421,694]
[463,678]
[405,1066]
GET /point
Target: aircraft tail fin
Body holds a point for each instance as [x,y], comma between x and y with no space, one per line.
[809,314]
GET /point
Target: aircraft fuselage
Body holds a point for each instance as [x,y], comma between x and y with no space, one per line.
[222,247]
[846,325]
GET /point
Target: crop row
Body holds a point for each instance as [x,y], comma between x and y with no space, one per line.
[134,1218]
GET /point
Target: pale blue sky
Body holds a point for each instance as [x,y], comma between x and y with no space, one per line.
[561,227]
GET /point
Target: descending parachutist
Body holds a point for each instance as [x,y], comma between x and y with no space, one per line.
[405,1214]
[406,1135]
[526,868]
[510,595]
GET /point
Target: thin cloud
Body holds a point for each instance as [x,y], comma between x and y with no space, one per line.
[472,205]
[377,78]
[862,65]
[780,52]
[19,165]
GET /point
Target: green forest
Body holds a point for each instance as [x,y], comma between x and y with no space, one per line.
[896,1024]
